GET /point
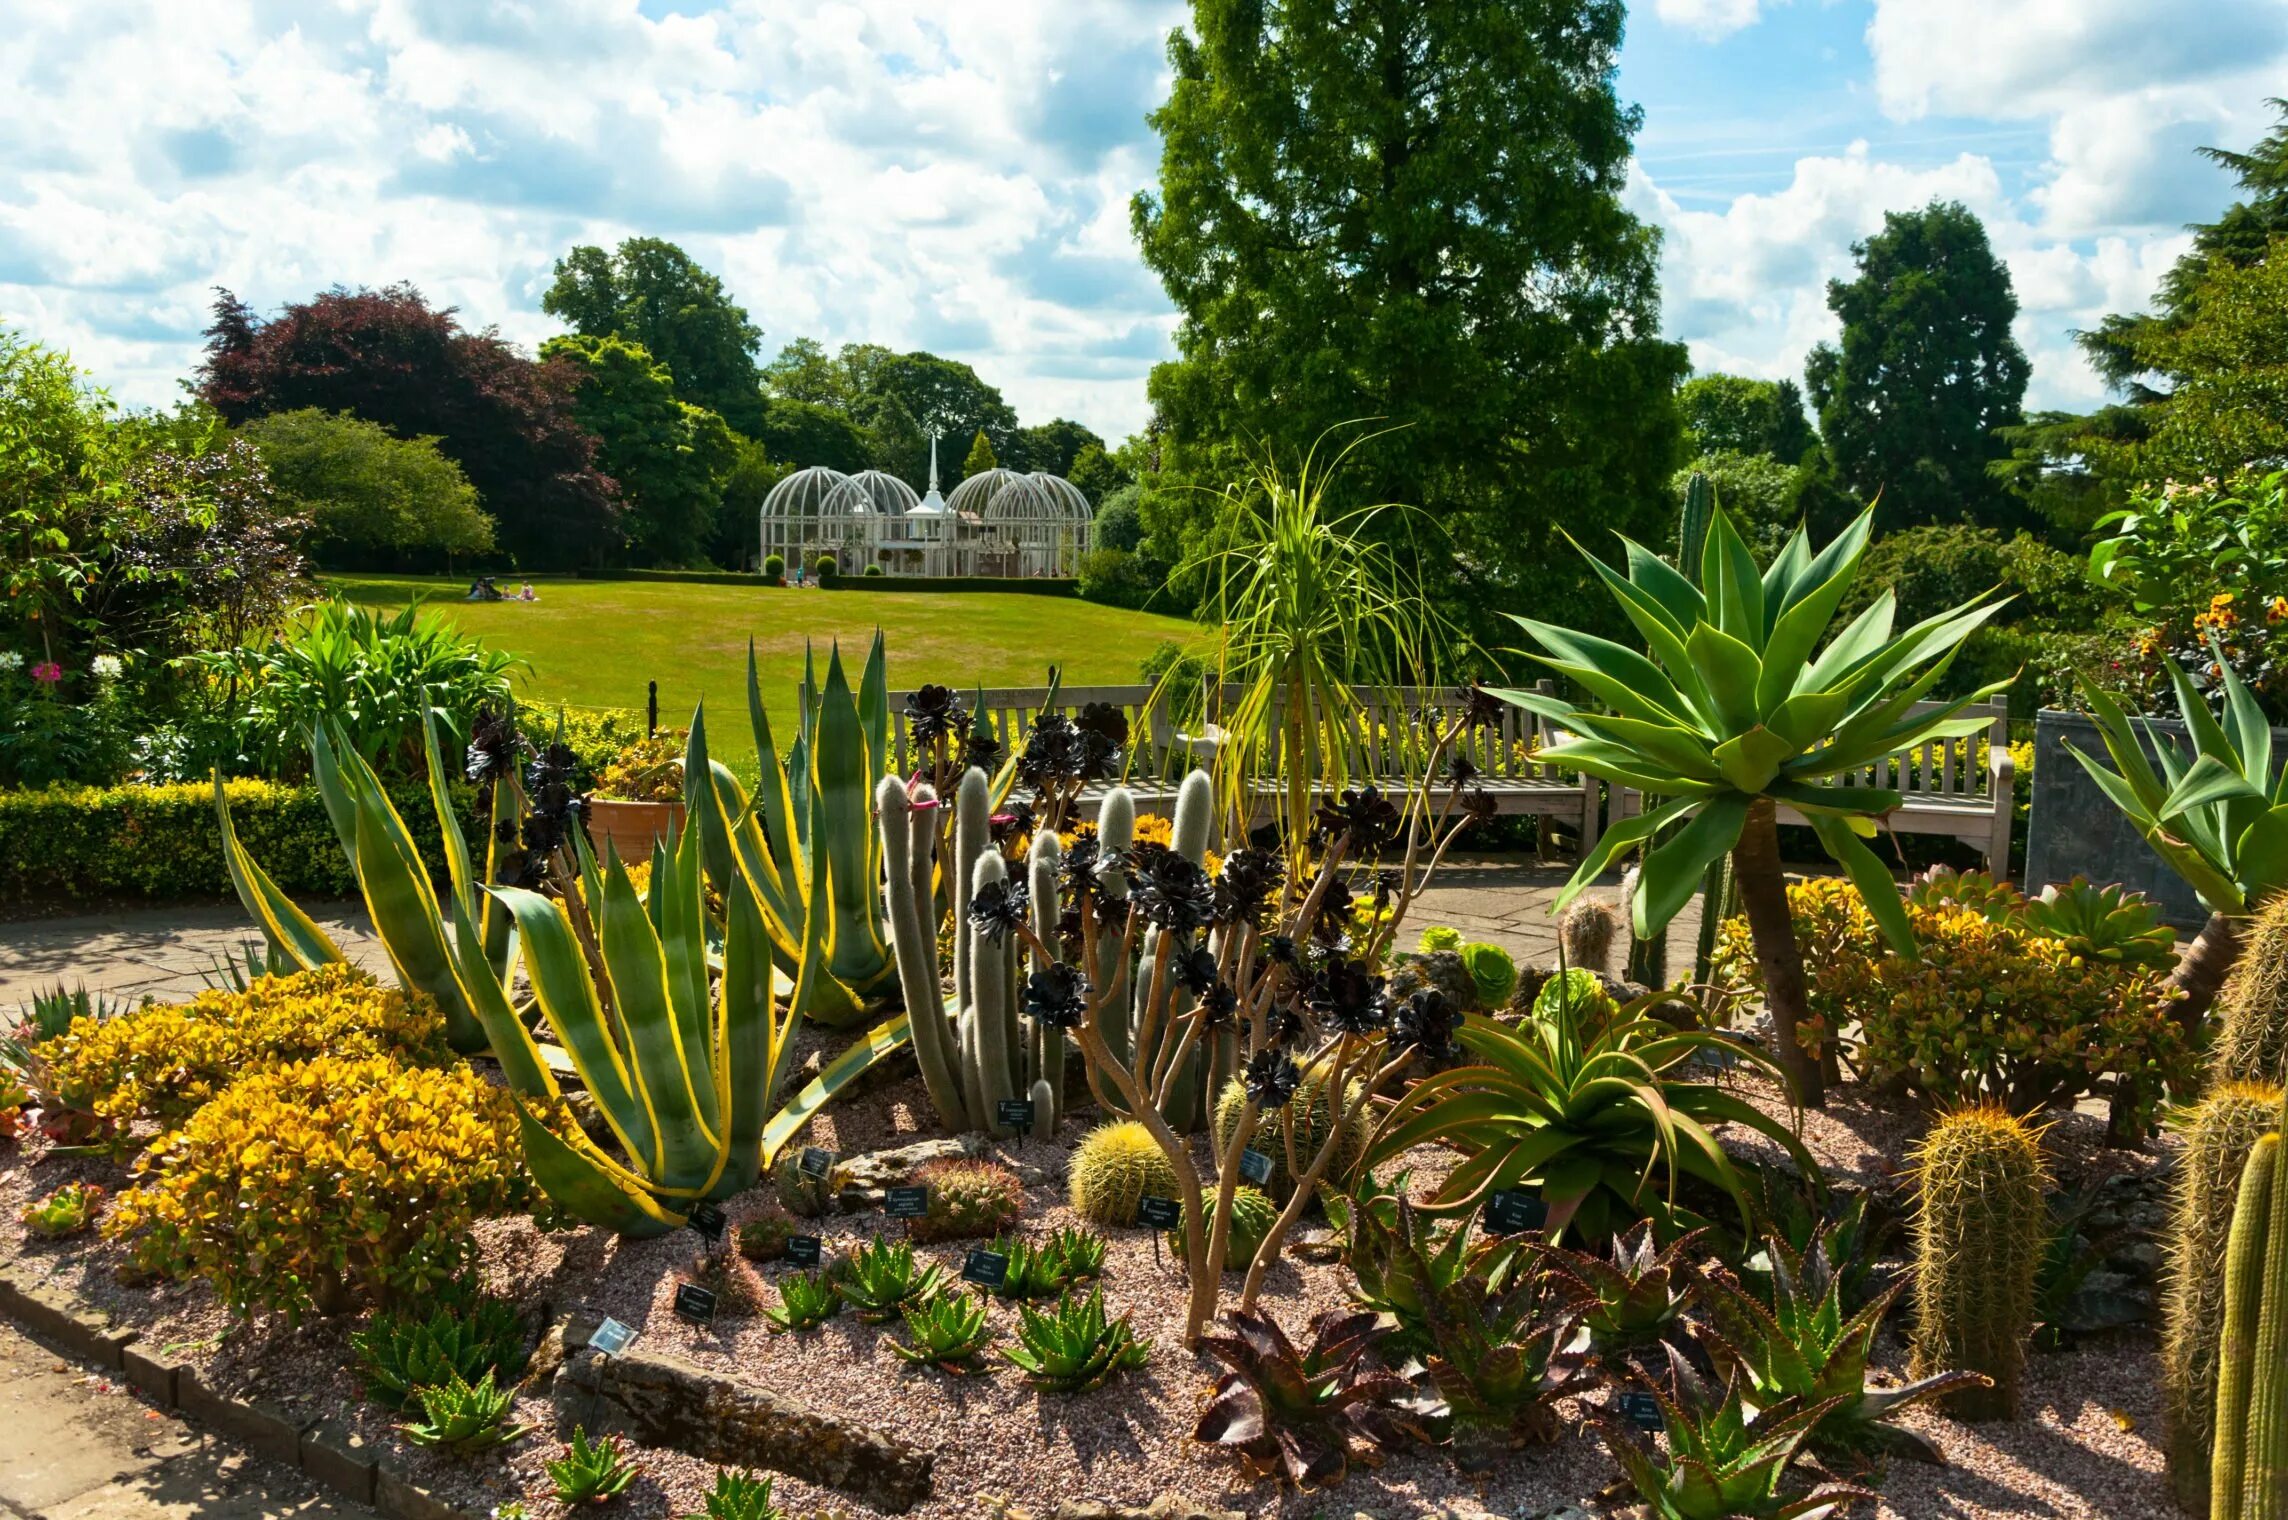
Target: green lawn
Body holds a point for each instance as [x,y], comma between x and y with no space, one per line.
[595,643]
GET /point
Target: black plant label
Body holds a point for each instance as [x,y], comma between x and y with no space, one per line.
[987,1269]
[710,1222]
[815,1163]
[1014,1113]
[1513,1210]
[1158,1213]
[1255,1166]
[906,1202]
[1640,1409]
[694,1303]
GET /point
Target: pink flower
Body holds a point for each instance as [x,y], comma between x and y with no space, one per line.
[48,672]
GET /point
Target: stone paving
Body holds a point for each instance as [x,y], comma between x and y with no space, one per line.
[170,953]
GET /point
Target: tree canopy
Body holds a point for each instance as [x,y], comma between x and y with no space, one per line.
[895,401]
[669,456]
[1732,414]
[1413,213]
[980,457]
[806,433]
[1925,372]
[656,296]
[374,500]
[389,357]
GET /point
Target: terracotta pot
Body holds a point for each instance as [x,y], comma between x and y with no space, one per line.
[632,828]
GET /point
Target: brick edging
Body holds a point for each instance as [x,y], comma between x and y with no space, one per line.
[321,1449]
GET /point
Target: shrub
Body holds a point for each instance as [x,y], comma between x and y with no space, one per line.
[1116,578]
[67,843]
[645,770]
[165,1062]
[1113,1168]
[595,735]
[968,1200]
[1988,1011]
[826,568]
[873,571]
[328,1182]
[774,567]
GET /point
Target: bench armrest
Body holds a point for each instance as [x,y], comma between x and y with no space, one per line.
[2000,768]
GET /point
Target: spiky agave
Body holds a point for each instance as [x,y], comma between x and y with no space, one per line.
[1721,1462]
[1304,1413]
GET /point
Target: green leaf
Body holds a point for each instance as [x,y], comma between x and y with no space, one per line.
[1728,670]
[1673,870]
[876,1044]
[579,1181]
[2207,780]
[291,935]
[1872,878]
[1752,760]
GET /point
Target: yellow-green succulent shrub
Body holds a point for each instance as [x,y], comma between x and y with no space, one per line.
[328,1183]
[164,1061]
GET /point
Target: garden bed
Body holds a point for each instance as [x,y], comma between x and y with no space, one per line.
[2086,1447]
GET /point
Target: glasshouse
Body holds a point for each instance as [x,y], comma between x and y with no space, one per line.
[996,523]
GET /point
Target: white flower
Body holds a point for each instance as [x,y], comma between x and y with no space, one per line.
[11,660]
[106,667]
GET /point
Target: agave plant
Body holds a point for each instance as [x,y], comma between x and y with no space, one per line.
[402,1353]
[1304,1414]
[806,1301]
[591,1472]
[1076,1346]
[741,1496]
[2218,817]
[881,1278]
[1801,1345]
[1721,1463]
[1601,1119]
[1738,710]
[1404,1262]
[949,1332]
[682,1063]
[463,1418]
[1500,1363]
[1633,1300]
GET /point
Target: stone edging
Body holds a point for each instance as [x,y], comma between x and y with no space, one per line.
[321,1449]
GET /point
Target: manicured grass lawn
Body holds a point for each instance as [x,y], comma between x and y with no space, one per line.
[595,643]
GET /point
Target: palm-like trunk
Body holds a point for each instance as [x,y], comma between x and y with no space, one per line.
[2202,969]
[1763,895]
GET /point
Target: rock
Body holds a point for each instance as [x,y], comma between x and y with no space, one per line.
[663,1400]
[1410,972]
[871,1172]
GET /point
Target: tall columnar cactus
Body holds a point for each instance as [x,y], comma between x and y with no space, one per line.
[1116,833]
[972,837]
[1190,829]
[2219,1133]
[1648,957]
[1692,526]
[1048,1041]
[908,821]
[1980,1234]
[2249,1476]
[990,1051]
[2252,1039]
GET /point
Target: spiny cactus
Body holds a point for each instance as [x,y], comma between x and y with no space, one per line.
[801,1193]
[1113,1168]
[1648,958]
[2249,1476]
[1309,1112]
[1979,1237]
[1585,936]
[764,1236]
[2219,1132]
[1252,1215]
[968,1199]
[908,821]
[1692,525]
[1047,1041]
[737,1286]
[2252,1037]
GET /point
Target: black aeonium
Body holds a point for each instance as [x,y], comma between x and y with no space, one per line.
[1057,995]
[997,909]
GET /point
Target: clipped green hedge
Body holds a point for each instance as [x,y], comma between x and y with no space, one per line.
[66,844]
[1018,585]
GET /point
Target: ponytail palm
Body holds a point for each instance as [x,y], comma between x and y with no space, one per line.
[1736,709]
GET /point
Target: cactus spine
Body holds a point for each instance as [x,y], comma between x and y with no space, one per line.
[1585,937]
[2252,1035]
[1112,1169]
[909,856]
[1692,526]
[1193,822]
[2219,1133]
[1116,832]
[2247,1460]
[1648,958]
[1979,1239]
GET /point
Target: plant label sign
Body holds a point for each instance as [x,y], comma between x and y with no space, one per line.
[802,1250]
[1640,1409]
[1255,1166]
[694,1303]
[906,1202]
[710,1222]
[1014,1113]
[1158,1213]
[1513,1210]
[987,1269]
[611,1337]
[815,1163]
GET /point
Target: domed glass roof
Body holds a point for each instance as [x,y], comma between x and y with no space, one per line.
[805,493]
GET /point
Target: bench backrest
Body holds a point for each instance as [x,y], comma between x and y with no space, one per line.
[1941,769]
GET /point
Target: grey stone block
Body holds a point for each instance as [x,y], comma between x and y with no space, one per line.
[340,1458]
[151,1374]
[263,1429]
[401,1498]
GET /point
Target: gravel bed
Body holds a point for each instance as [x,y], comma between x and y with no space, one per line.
[2087,1447]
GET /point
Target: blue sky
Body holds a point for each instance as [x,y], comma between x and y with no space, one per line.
[955,174]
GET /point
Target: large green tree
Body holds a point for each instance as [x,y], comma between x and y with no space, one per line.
[669,457]
[896,400]
[374,500]
[1411,211]
[654,295]
[1926,370]
[1732,414]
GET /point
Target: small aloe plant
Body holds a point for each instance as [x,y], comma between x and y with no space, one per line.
[1303,1413]
[881,1278]
[591,1472]
[806,1301]
[1635,1299]
[462,1418]
[1075,1346]
[1721,1464]
[1046,1268]
[949,1333]
[740,1496]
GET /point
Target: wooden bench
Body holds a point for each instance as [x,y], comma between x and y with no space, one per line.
[1943,791]
[1381,739]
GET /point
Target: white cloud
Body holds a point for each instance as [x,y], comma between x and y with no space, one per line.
[912,172]
[1710,19]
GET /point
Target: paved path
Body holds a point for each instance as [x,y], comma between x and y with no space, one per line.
[75,1445]
[168,953]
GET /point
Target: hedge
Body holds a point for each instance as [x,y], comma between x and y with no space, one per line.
[65,844]
[1018,585]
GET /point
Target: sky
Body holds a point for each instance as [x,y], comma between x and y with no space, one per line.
[955,174]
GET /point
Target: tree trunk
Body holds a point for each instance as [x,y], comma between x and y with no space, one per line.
[1763,895]
[2201,971]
